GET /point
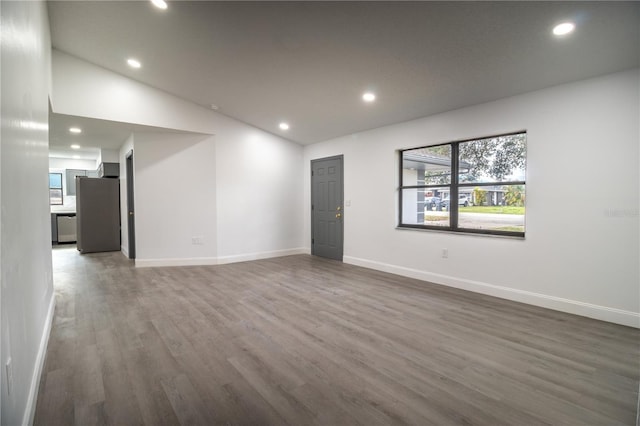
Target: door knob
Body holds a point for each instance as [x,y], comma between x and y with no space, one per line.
[338,208]
[338,215]
[130,213]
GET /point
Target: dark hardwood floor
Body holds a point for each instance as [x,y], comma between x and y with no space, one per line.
[301,340]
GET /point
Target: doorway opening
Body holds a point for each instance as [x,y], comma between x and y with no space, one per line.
[131,231]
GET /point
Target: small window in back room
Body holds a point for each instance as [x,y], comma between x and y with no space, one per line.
[55,189]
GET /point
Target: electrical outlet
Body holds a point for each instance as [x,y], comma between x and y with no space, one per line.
[197,240]
[9,373]
[445,253]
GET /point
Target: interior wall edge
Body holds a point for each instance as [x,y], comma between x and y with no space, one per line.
[221,260]
[30,409]
[603,313]
[260,255]
[187,261]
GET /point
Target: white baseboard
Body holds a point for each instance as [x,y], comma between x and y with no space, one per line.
[199,261]
[30,409]
[617,316]
[191,261]
[124,251]
[260,255]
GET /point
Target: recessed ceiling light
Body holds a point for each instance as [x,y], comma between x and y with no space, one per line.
[214,107]
[134,63]
[75,130]
[160,4]
[564,28]
[75,146]
[76,157]
[284,126]
[368,97]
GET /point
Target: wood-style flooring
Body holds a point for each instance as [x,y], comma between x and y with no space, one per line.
[301,340]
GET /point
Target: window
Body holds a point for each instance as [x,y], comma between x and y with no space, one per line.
[485,176]
[55,189]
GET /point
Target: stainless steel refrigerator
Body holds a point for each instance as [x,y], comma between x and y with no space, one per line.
[98,214]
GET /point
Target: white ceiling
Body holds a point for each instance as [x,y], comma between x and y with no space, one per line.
[96,134]
[309,62]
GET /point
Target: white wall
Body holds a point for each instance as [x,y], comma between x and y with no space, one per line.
[86,90]
[107,156]
[254,176]
[26,275]
[175,198]
[259,193]
[582,230]
[71,163]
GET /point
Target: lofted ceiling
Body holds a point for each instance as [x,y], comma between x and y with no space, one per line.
[308,63]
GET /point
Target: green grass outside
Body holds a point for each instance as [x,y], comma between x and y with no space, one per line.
[492,209]
[435,218]
[510,228]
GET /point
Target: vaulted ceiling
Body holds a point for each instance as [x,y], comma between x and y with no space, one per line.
[308,63]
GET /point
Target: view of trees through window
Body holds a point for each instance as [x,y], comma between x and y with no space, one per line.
[486,176]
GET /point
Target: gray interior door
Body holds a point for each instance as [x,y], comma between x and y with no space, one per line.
[327,208]
[131,223]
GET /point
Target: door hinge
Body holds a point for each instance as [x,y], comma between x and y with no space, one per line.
[313,241]
[311,172]
[312,207]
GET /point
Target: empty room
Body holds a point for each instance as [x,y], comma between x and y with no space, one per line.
[319,213]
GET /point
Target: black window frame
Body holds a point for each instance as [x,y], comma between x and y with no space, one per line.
[61,189]
[454,187]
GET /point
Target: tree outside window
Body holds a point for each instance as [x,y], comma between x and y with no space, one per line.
[475,186]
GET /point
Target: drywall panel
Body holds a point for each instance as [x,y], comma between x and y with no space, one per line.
[86,90]
[259,193]
[175,194]
[71,163]
[581,248]
[107,156]
[25,223]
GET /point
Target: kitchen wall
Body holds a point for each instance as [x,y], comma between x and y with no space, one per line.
[581,249]
[71,163]
[27,298]
[107,156]
[252,175]
[60,165]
